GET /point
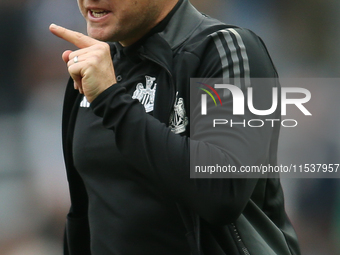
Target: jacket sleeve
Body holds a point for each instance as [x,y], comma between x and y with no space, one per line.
[164,156]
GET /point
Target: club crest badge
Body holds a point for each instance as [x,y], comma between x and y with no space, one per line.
[146,95]
[178,118]
[84,103]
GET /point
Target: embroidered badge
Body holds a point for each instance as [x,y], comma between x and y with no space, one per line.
[146,96]
[84,103]
[178,118]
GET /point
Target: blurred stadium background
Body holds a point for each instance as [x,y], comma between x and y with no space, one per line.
[303,38]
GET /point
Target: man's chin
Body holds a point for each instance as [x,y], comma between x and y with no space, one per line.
[100,34]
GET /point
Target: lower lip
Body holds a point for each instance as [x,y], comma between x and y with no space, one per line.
[95,19]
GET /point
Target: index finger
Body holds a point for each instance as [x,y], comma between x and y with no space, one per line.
[78,39]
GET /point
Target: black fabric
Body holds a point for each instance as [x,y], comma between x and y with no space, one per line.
[131,69]
[125,207]
[127,212]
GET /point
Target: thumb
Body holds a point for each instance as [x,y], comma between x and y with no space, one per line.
[66,55]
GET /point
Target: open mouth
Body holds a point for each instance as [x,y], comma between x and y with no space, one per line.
[98,13]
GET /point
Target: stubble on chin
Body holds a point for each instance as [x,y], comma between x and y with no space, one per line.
[101,34]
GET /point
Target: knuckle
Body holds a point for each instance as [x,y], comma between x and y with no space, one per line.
[106,46]
[73,70]
[70,69]
[79,35]
[93,62]
[95,58]
[103,46]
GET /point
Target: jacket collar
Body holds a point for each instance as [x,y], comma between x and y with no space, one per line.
[182,25]
[161,46]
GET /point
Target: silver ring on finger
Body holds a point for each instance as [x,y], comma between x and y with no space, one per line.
[75,59]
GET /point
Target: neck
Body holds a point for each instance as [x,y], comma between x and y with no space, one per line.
[164,8]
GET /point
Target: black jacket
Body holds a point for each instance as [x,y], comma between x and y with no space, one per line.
[191,45]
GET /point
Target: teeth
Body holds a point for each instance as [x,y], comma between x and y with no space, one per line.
[98,13]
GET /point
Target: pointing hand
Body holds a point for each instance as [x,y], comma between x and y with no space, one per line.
[91,66]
